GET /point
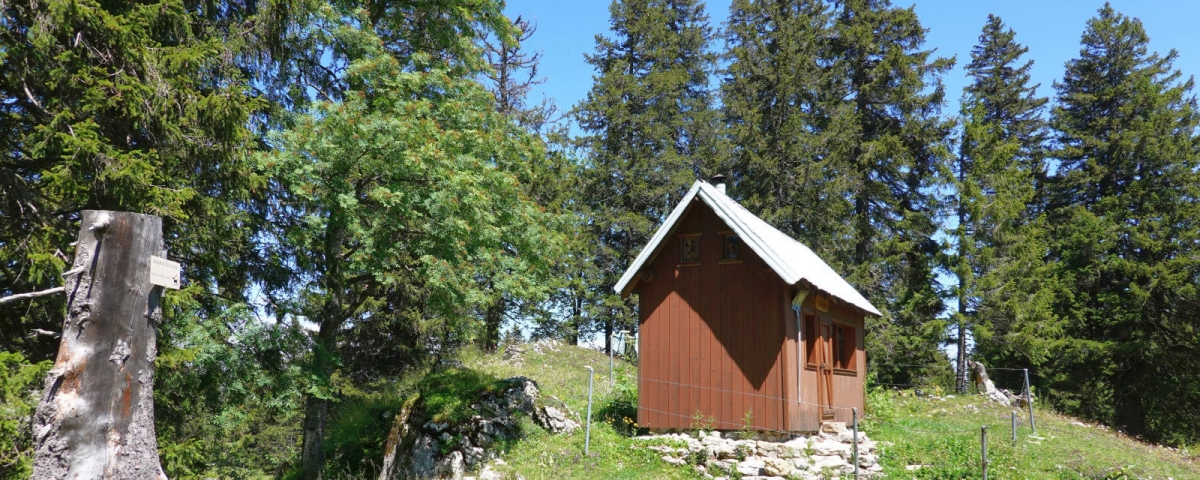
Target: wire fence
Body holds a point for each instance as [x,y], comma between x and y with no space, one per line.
[687,407]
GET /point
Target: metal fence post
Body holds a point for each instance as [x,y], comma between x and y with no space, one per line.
[1029,401]
[587,436]
[984,451]
[1014,427]
[854,428]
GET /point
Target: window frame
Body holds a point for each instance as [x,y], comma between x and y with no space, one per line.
[684,238]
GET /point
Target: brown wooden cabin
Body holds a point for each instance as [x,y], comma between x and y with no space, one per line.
[741,325]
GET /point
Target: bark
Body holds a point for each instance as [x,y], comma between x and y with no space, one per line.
[493,319]
[96,415]
[316,408]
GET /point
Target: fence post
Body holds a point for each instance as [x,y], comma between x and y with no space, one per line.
[854,428]
[1029,401]
[587,436]
[984,451]
[611,346]
[1014,427]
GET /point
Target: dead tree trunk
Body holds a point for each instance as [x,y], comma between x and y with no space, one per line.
[96,416]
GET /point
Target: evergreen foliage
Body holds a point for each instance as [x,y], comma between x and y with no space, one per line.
[1124,211]
[649,128]
[998,244]
[833,108]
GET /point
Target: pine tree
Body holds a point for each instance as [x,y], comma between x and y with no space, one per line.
[834,110]
[1127,231]
[649,126]
[123,106]
[998,246]
[773,90]
[884,125]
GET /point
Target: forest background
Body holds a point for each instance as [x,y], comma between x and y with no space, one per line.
[358,189]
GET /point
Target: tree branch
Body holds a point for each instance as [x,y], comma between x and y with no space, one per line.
[20,296]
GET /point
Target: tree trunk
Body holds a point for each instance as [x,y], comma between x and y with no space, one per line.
[96,416]
[316,407]
[493,319]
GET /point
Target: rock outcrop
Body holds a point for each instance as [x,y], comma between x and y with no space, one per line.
[445,451]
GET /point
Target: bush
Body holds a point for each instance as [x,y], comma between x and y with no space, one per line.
[20,383]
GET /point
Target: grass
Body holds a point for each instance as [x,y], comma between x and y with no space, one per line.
[944,435]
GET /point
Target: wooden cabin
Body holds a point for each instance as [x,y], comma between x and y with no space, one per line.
[742,326]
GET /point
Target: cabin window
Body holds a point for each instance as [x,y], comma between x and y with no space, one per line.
[689,253]
[733,248]
[844,347]
[811,334]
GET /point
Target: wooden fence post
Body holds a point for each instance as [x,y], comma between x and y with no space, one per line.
[96,415]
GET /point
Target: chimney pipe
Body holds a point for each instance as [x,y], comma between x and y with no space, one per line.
[719,181]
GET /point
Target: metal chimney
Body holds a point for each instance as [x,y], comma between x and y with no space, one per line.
[719,181]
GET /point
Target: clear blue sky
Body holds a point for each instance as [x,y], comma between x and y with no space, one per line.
[1050,28]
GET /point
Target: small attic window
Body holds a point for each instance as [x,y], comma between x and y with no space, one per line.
[689,249]
[731,251]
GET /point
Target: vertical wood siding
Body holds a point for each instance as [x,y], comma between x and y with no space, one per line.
[719,340]
[713,337]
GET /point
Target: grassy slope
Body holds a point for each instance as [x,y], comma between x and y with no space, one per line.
[561,374]
[943,434]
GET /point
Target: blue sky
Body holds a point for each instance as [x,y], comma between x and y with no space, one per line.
[1050,28]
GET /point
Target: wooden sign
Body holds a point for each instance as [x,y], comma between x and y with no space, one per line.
[822,302]
[164,272]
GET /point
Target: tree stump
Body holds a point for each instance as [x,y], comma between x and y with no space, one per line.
[96,416]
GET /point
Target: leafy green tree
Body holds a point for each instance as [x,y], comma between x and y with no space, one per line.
[648,127]
[414,177]
[1127,233]
[998,243]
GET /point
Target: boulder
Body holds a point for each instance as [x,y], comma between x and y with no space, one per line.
[751,466]
[777,467]
[554,420]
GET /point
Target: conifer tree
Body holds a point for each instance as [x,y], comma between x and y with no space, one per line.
[884,123]
[649,126]
[772,94]
[997,244]
[834,110]
[1127,235]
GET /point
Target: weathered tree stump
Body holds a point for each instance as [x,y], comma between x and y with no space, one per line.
[96,416]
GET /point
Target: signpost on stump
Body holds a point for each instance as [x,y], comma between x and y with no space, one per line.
[96,415]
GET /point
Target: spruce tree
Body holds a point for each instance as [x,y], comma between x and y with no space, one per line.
[833,108]
[1127,235]
[997,243]
[649,126]
[772,92]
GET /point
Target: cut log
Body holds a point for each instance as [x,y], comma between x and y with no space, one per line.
[96,415]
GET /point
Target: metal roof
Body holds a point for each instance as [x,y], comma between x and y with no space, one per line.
[790,259]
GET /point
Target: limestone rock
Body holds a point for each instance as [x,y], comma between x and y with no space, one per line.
[555,420]
[777,467]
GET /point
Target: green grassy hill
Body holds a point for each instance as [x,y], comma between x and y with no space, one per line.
[942,435]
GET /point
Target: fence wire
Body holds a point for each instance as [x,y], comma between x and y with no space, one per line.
[998,439]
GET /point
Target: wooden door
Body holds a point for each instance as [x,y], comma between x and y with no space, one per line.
[825,370]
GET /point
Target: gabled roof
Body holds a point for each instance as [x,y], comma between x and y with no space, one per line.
[790,259]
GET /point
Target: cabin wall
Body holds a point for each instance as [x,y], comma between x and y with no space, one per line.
[715,346]
[848,389]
